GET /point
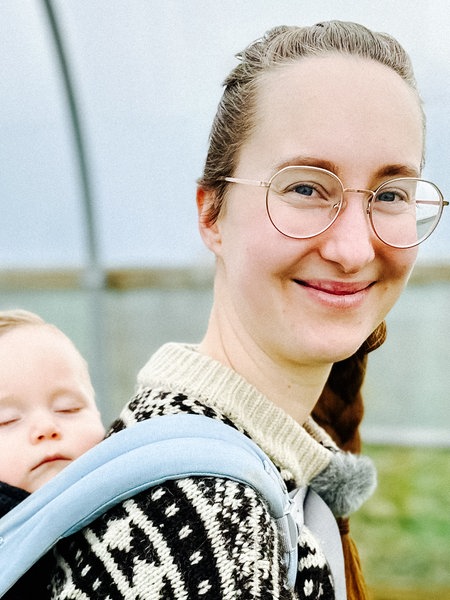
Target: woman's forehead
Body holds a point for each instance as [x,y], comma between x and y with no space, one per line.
[333,104]
[334,85]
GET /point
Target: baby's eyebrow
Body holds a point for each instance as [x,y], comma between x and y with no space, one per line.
[73,394]
[7,400]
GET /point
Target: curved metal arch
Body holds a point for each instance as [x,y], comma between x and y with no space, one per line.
[94,276]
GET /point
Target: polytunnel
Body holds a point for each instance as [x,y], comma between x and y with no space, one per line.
[105,116]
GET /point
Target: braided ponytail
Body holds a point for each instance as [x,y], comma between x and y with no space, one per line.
[340,411]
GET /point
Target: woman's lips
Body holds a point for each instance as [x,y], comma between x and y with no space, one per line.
[339,288]
[337,294]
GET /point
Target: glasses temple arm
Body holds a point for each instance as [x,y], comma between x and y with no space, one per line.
[433,202]
[246,181]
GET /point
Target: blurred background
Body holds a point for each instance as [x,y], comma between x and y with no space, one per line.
[105,114]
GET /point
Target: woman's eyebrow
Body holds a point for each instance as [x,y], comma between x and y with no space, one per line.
[308,161]
[388,170]
[397,170]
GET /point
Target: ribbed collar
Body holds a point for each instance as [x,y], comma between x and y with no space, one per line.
[296,450]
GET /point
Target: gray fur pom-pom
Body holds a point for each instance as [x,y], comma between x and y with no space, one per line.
[346,483]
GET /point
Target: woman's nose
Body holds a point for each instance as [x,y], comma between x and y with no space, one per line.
[350,240]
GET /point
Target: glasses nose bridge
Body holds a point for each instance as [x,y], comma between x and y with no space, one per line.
[369,194]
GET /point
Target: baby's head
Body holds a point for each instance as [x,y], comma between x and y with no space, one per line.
[48,415]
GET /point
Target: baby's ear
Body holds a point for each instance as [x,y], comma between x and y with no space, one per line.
[208,227]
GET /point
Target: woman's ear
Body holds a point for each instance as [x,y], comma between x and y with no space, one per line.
[209,228]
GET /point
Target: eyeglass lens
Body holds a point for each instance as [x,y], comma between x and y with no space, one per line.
[304,201]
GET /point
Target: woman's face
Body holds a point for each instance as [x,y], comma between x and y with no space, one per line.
[316,300]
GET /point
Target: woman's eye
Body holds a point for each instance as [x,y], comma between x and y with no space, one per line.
[303,189]
[386,197]
[308,195]
[392,196]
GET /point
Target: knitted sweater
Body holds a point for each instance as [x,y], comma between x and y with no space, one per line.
[201,537]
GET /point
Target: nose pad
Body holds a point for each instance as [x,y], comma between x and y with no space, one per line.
[350,239]
[365,198]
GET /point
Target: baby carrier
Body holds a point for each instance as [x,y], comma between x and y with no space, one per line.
[147,454]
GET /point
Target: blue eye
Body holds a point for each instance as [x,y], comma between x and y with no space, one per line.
[398,196]
[387,197]
[304,190]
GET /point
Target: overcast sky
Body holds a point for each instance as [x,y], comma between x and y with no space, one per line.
[148,77]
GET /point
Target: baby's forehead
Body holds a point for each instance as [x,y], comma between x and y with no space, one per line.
[36,336]
[42,343]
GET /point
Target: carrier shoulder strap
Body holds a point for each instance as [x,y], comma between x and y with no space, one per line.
[132,460]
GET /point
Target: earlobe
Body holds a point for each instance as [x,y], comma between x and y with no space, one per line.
[209,229]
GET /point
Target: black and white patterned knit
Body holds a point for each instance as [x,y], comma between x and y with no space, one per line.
[205,538]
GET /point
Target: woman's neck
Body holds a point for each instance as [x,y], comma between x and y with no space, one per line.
[292,386]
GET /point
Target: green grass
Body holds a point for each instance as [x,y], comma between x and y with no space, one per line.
[403,531]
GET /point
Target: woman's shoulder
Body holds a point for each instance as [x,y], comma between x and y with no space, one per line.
[197,537]
[158,401]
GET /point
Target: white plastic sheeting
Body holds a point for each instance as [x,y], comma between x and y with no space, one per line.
[147,77]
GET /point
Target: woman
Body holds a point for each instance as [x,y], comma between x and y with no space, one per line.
[307,268]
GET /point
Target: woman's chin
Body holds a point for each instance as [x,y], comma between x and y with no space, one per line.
[338,351]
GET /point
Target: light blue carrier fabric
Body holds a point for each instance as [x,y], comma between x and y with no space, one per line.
[134,459]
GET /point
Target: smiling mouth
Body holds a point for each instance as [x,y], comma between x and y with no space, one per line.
[336,288]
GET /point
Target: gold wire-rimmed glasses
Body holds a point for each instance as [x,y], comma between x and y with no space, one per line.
[303,202]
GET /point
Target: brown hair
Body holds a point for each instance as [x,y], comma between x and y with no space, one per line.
[339,411]
[235,117]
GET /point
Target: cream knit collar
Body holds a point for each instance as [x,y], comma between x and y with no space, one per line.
[298,451]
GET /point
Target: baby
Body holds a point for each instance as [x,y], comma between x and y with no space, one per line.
[48,418]
[48,415]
